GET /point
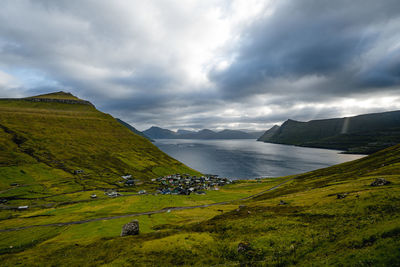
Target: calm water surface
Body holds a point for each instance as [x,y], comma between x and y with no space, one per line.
[245,159]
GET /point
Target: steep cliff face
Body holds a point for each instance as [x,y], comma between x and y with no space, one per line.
[360,134]
[297,132]
[269,133]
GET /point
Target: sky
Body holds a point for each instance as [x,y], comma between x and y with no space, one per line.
[216,64]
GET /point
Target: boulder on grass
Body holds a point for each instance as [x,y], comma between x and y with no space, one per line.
[131,228]
[341,196]
[282,202]
[243,247]
[380,182]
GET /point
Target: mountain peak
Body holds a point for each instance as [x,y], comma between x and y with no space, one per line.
[290,120]
[58,95]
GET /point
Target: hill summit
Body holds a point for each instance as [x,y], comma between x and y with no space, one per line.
[58,95]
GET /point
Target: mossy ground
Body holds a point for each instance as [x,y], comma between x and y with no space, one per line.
[314,228]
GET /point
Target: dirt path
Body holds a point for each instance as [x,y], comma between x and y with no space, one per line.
[147,212]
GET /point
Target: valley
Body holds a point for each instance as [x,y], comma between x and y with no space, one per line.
[60,163]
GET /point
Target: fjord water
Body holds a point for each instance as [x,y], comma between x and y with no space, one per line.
[246,159]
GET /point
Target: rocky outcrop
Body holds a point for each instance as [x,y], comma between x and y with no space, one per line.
[50,100]
[380,182]
[131,228]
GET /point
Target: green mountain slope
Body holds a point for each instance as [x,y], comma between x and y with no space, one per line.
[133,129]
[43,143]
[360,134]
[268,134]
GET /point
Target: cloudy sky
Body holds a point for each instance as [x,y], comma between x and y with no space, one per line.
[238,64]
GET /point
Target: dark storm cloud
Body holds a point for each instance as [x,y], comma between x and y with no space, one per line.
[313,38]
[150,62]
[385,73]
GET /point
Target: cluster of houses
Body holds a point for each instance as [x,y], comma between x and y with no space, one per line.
[128,180]
[176,184]
[184,184]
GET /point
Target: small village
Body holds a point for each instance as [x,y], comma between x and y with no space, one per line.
[184,184]
[176,184]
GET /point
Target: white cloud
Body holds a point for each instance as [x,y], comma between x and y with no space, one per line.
[9,85]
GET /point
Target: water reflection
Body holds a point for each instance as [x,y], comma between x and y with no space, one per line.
[241,159]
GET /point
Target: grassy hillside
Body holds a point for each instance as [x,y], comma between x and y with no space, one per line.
[43,143]
[327,217]
[360,134]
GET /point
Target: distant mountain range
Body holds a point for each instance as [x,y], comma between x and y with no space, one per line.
[359,134]
[160,133]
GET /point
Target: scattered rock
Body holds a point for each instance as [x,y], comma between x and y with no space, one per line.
[341,196]
[112,194]
[131,228]
[380,182]
[282,202]
[78,172]
[243,247]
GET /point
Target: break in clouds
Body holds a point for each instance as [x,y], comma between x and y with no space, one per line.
[206,64]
